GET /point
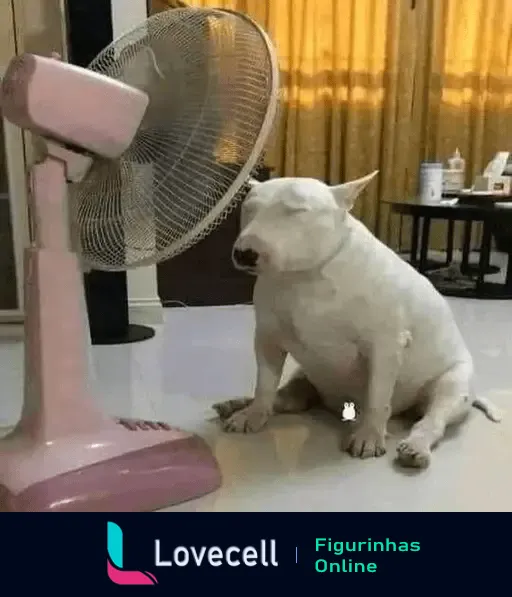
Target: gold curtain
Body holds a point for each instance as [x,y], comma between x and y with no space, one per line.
[386,84]
[463,87]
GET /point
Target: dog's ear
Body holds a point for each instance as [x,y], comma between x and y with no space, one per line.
[347,193]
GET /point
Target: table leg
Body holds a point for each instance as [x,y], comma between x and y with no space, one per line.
[414,239]
[449,241]
[508,279]
[466,247]
[425,237]
[485,253]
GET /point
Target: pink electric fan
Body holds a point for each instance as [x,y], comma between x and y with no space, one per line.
[147,151]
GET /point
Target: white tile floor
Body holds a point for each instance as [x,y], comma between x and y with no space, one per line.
[203,355]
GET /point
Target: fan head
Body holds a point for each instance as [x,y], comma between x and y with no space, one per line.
[212,79]
[71,105]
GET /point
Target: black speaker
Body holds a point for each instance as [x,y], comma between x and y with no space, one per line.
[106,293]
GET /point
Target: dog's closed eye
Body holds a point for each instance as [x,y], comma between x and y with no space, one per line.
[295,208]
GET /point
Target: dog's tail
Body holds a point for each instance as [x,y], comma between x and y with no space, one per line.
[490,410]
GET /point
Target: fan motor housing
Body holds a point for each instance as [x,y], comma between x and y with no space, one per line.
[72,105]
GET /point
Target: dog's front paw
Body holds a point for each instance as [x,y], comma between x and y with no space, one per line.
[229,407]
[365,442]
[249,420]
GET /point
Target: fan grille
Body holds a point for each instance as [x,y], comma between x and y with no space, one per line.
[212,81]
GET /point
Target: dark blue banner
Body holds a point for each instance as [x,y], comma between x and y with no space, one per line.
[241,553]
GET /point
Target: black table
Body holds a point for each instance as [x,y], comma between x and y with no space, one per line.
[489,214]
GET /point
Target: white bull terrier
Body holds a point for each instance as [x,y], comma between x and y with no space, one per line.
[362,324]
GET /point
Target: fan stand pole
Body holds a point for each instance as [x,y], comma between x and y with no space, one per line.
[57,399]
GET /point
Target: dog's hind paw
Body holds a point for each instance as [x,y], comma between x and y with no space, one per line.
[412,454]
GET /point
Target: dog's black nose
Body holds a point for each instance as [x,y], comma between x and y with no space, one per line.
[246,258]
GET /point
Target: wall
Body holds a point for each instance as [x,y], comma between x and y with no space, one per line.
[144,302]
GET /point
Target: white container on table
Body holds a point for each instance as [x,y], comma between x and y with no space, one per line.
[431,182]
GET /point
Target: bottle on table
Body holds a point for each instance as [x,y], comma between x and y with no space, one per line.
[454,176]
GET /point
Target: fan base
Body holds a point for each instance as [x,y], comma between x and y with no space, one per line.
[164,467]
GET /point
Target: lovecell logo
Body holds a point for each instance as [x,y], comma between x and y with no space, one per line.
[115,570]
